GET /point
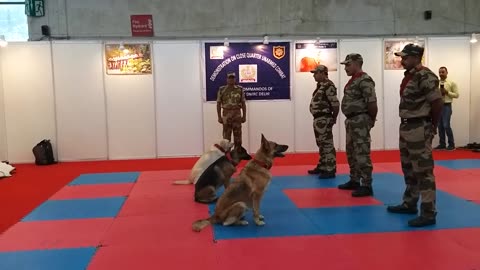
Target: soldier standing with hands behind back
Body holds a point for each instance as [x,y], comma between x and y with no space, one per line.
[231,98]
[324,108]
[420,110]
[359,105]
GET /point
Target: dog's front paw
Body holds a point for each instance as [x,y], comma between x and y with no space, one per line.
[259,222]
[242,223]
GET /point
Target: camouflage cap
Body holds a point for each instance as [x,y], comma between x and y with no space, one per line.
[231,74]
[353,57]
[320,68]
[411,49]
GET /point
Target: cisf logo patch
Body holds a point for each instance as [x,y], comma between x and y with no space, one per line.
[278,52]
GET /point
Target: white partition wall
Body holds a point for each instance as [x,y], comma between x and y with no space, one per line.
[303,86]
[3,128]
[475,93]
[371,51]
[29,98]
[275,120]
[178,99]
[60,91]
[131,116]
[80,100]
[454,53]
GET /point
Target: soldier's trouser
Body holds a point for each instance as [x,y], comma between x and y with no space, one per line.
[417,165]
[233,125]
[322,127]
[358,148]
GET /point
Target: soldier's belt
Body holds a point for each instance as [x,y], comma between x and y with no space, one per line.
[320,114]
[233,108]
[415,120]
[354,114]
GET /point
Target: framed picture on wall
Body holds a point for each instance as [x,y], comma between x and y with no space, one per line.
[393,62]
[128,59]
[309,55]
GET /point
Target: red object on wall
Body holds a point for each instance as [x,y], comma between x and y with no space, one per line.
[142,25]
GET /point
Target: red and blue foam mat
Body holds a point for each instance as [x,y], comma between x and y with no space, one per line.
[142,221]
[352,215]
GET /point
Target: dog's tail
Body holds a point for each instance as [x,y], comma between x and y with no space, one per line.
[182,182]
[199,225]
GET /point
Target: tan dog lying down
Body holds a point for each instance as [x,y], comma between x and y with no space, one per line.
[246,191]
[216,151]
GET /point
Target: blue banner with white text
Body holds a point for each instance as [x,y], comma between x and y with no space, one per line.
[263,70]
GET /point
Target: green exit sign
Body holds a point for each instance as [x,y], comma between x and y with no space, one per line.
[35,8]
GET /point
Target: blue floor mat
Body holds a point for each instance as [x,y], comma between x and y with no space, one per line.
[76,209]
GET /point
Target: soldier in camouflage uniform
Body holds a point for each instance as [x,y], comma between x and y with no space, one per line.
[324,108]
[420,110]
[231,99]
[359,105]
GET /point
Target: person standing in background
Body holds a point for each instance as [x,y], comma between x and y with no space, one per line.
[231,99]
[449,91]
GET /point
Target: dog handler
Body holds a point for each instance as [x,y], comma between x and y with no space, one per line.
[231,98]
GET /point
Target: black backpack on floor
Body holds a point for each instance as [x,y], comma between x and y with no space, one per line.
[43,153]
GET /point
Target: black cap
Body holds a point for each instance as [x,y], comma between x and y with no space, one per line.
[411,49]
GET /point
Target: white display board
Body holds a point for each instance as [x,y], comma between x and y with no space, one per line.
[178,99]
[131,116]
[80,100]
[371,51]
[29,98]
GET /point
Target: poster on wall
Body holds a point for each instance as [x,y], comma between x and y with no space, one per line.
[393,62]
[128,59]
[263,70]
[309,55]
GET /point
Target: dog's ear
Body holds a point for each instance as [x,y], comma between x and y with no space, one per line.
[265,145]
[264,140]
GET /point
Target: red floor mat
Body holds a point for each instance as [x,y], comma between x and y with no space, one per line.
[92,191]
[54,234]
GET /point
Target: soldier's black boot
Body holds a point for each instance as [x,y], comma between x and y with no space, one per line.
[315,171]
[402,209]
[422,221]
[350,185]
[326,175]
[363,191]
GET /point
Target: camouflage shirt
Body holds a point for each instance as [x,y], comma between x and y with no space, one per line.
[418,89]
[231,97]
[324,97]
[359,91]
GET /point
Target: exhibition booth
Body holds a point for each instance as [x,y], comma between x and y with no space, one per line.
[137,99]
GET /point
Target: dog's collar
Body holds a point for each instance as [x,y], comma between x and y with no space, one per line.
[228,155]
[220,148]
[262,164]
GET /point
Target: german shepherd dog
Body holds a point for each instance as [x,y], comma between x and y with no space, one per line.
[218,150]
[217,174]
[247,190]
